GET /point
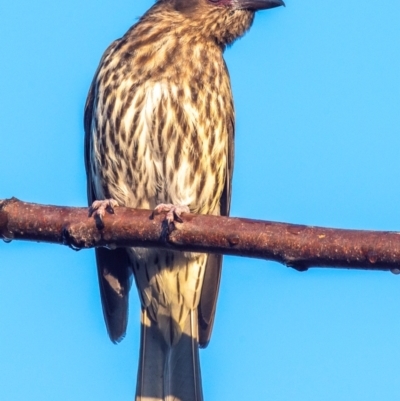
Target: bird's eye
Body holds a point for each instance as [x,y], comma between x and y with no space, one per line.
[214,1]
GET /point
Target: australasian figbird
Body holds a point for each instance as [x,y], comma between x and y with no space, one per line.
[159,134]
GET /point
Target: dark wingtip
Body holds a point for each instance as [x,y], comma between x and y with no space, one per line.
[116,338]
[116,327]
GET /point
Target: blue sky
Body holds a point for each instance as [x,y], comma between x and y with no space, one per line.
[317,92]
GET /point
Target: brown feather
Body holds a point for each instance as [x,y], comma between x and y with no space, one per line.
[110,263]
[159,128]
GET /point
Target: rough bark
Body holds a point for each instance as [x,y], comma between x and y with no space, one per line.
[296,246]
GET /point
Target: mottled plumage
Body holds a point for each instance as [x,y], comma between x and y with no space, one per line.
[159,124]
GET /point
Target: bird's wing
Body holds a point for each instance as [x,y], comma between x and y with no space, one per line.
[212,275]
[113,266]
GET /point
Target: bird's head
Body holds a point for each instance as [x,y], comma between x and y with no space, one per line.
[225,20]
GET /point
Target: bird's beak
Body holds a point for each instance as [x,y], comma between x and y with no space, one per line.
[258,4]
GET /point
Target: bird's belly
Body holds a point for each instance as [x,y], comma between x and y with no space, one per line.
[161,149]
[164,152]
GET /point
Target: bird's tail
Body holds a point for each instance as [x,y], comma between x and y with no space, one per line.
[169,372]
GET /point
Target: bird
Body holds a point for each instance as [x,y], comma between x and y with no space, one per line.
[159,134]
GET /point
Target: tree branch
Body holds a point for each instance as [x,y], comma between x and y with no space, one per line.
[296,246]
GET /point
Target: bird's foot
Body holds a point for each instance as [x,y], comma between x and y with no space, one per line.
[174,212]
[99,208]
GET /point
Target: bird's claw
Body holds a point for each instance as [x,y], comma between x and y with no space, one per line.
[99,208]
[173,212]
